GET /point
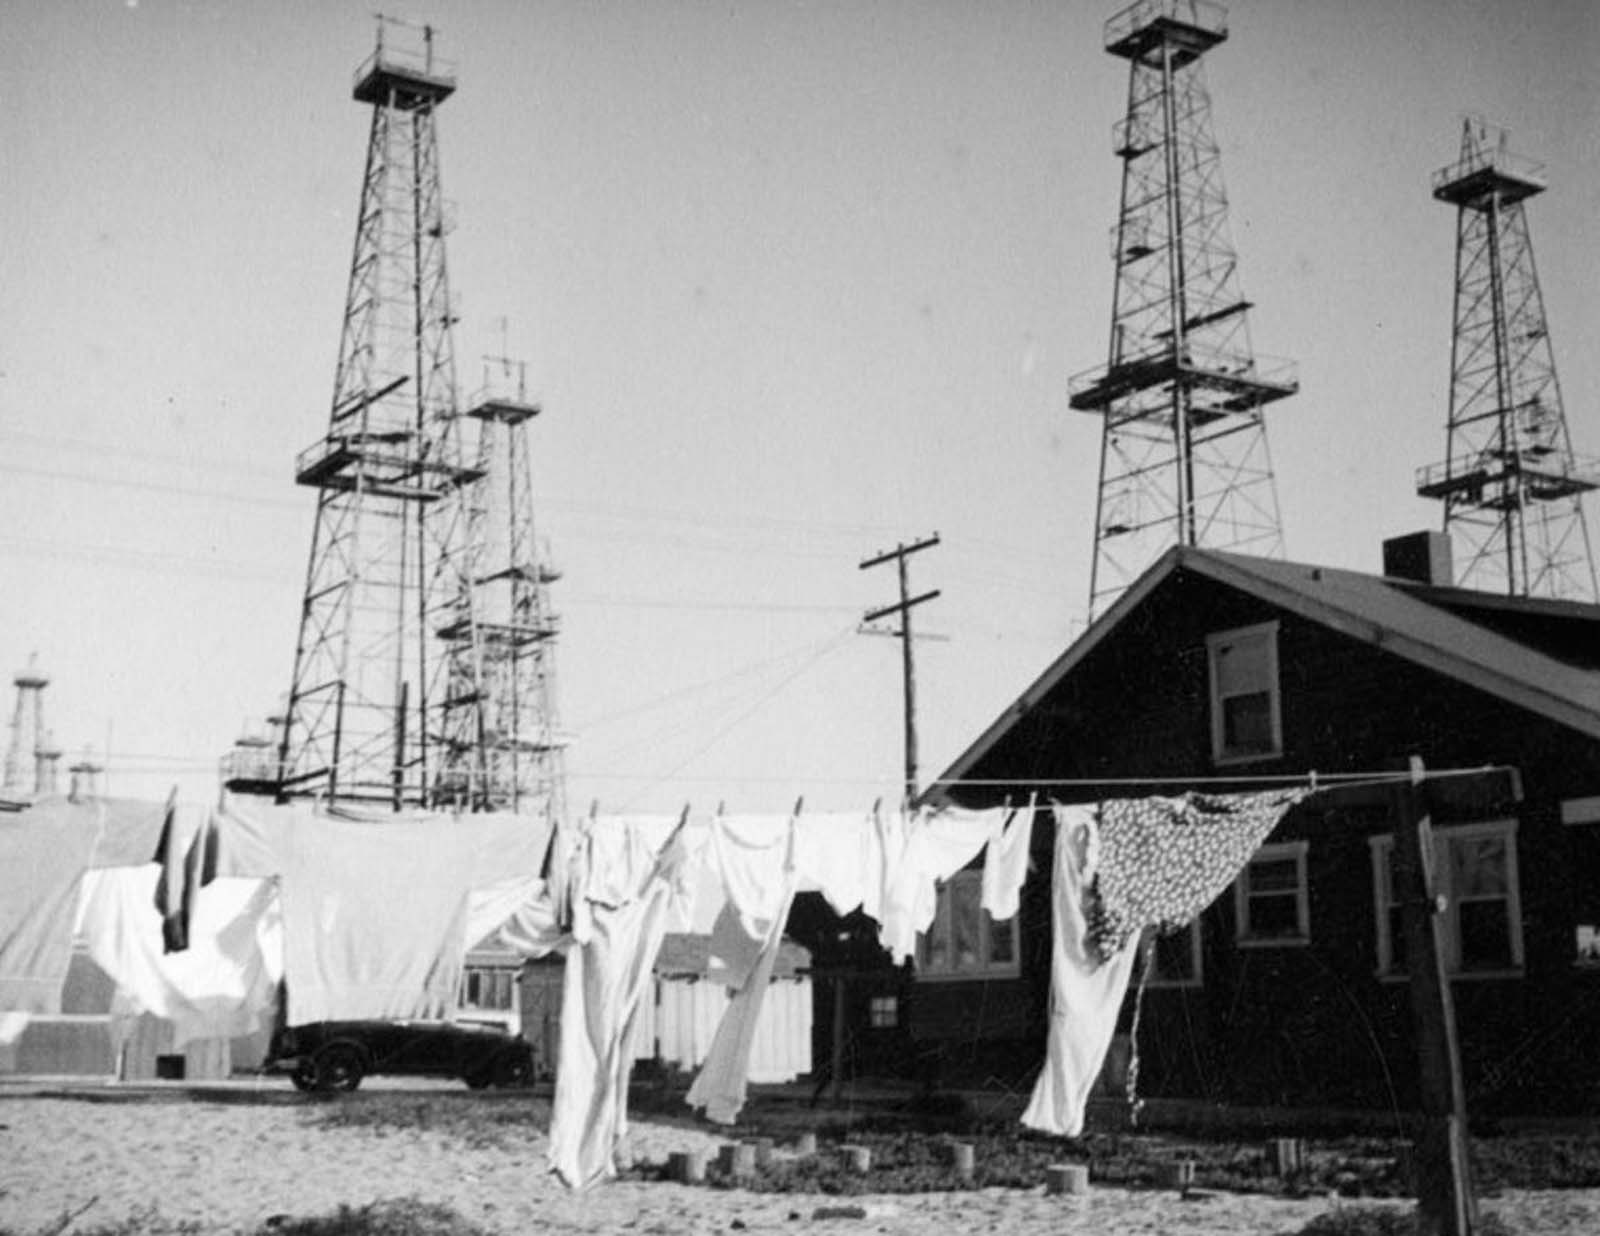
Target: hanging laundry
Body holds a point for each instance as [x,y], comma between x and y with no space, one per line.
[627,873]
[935,847]
[518,913]
[1085,991]
[224,985]
[12,1027]
[374,909]
[1005,865]
[841,857]
[44,852]
[757,862]
[1163,860]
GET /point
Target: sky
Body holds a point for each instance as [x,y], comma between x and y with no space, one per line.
[795,281]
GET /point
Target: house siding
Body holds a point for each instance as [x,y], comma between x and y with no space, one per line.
[1315,1024]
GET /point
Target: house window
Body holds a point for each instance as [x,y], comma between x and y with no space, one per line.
[1270,897]
[486,988]
[1246,721]
[964,942]
[1177,957]
[1475,871]
[883,1012]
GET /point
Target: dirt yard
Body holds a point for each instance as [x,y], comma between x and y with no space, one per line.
[232,1159]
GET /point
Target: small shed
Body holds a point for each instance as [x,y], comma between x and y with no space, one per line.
[679,1016]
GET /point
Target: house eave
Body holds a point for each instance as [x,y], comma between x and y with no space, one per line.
[1324,611]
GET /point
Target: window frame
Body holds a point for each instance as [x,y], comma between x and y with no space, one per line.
[491,982]
[1277,851]
[883,1011]
[1196,960]
[1220,754]
[1381,847]
[987,969]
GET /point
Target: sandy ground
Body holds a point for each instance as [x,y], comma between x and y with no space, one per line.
[232,1162]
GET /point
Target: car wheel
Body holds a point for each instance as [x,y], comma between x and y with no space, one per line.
[339,1067]
[480,1080]
[304,1076]
[513,1073]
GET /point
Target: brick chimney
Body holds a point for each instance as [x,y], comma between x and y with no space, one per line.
[1421,557]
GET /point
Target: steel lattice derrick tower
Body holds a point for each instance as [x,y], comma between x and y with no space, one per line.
[1511,486]
[1184,457]
[29,738]
[386,703]
[515,623]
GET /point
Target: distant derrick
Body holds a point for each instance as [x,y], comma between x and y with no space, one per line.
[517,629]
[31,754]
[386,702]
[1184,457]
[1511,486]
[424,670]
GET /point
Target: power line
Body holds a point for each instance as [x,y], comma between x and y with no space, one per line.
[706,684]
[182,491]
[832,646]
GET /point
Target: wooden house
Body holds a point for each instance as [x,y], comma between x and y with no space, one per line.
[1291,988]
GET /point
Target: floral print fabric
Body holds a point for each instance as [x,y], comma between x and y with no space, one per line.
[1163,860]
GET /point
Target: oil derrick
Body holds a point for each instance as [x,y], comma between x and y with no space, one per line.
[1511,487]
[1184,457]
[515,624]
[32,754]
[386,701]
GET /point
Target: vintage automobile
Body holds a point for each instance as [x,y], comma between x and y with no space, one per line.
[336,1055]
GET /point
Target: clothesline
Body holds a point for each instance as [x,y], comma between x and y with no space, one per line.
[1313,778]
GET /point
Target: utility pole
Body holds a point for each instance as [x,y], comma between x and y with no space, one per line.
[898,555]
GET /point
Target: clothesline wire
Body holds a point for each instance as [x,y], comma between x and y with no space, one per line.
[1373,777]
[1315,781]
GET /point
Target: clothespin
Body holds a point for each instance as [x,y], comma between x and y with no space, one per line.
[794,829]
[1313,781]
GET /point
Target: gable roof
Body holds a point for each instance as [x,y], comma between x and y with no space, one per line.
[1422,624]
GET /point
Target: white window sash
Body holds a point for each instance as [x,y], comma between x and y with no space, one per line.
[1244,934]
[1444,839]
[1220,752]
[942,931]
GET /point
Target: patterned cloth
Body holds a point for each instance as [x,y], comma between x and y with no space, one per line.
[1163,860]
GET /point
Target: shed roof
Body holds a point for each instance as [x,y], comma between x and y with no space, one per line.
[688,955]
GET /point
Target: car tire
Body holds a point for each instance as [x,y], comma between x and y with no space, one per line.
[481,1080]
[304,1076]
[513,1073]
[339,1067]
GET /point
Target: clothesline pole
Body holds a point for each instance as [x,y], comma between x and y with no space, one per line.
[1445,1202]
